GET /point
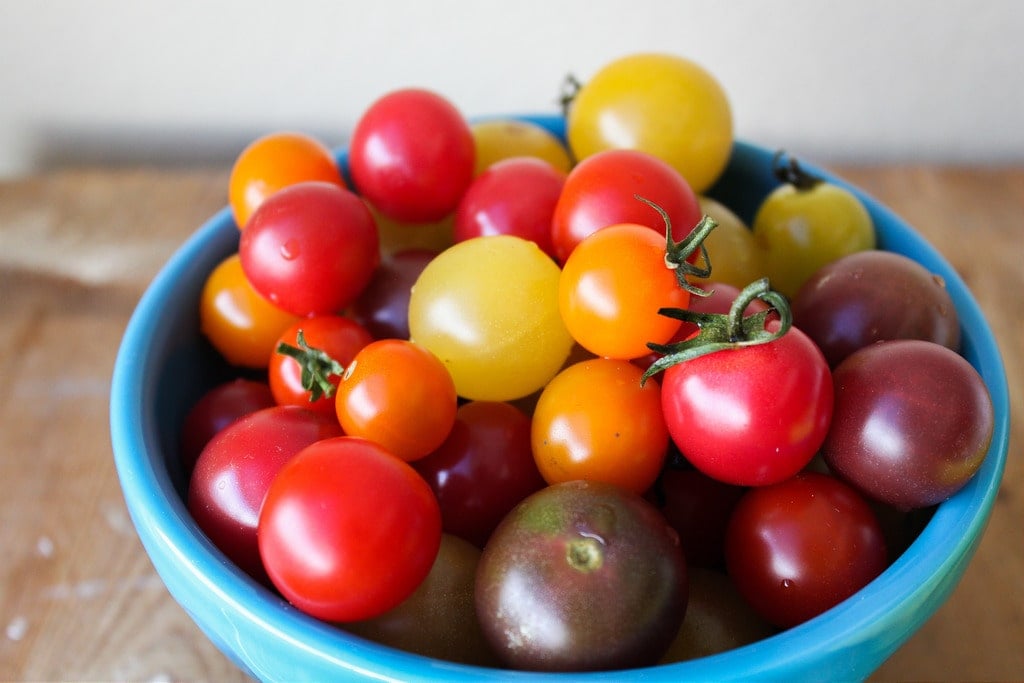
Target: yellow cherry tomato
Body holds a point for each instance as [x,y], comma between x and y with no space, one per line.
[736,258]
[662,104]
[499,139]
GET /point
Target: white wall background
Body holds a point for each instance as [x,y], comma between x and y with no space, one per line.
[183,81]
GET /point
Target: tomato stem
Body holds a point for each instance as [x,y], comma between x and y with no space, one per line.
[720,331]
[570,89]
[677,254]
[787,170]
[317,367]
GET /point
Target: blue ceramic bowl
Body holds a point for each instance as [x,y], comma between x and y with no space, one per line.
[164,365]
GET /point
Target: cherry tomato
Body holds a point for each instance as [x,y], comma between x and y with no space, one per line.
[398,394]
[515,196]
[483,469]
[273,162]
[913,422]
[735,255]
[412,155]
[612,287]
[751,415]
[310,248]
[216,409]
[665,105]
[234,471]
[871,296]
[595,421]
[348,530]
[581,576]
[488,308]
[602,190]
[239,322]
[396,236]
[799,547]
[337,336]
[383,307]
[499,139]
[439,619]
[806,223]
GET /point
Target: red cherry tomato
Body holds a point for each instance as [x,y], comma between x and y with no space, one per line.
[601,190]
[234,471]
[348,530]
[339,337]
[310,248]
[412,155]
[751,415]
[216,409]
[799,547]
[515,196]
[483,469]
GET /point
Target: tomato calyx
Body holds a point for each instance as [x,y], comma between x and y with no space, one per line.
[571,87]
[317,367]
[719,331]
[788,170]
[678,254]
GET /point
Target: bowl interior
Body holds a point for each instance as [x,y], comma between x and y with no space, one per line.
[164,365]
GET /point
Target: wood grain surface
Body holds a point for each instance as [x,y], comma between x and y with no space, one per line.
[79,599]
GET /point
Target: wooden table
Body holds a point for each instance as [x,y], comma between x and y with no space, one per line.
[78,597]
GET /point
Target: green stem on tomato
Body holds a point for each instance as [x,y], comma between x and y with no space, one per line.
[677,254]
[317,367]
[720,331]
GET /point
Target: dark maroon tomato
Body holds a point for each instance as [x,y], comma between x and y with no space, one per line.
[516,196]
[383,307]
[581,576]
[873,296]
[800,547]
[698,508]
[912,422]
[483,469]
[439,619]
[235,469]
[412,155]
[215,410]
[717,619]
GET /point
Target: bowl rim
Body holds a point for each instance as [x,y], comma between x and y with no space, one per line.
[877,614]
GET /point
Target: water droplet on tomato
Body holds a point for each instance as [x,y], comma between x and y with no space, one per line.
[787,583]
[290,250]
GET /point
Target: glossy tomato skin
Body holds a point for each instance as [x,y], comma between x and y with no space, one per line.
[488,308]
[913,422]
[601,191]
[241,324]
[612,287]
[216,409]
[514,196]
[338,336]
[412,155]
[273,162]
[750,416]
[666,105]
[871,296]
[234,471]
[799,547]
[383,306]
[348,530]
[483,469]
[310,248]
[595,421]
[581,576]
[499,139]
[398,394]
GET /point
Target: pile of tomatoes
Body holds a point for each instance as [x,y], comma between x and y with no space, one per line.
[515,400]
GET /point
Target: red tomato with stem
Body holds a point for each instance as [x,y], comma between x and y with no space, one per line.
[310,248]
[348,530]
[412,155]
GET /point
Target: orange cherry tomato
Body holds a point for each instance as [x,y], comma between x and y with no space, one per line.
[273,162]
[238,321]
[594,421]
[399,395]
